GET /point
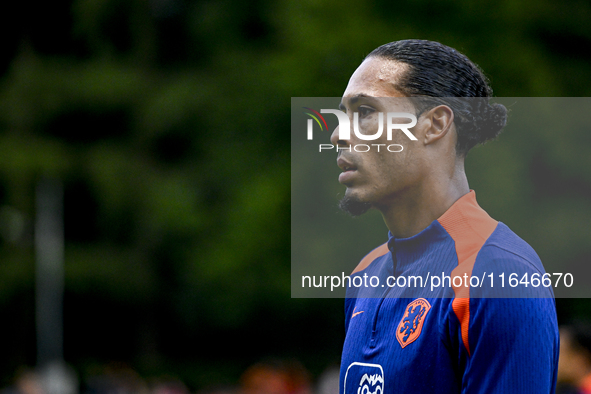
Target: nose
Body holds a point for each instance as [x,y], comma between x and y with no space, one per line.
[334,139]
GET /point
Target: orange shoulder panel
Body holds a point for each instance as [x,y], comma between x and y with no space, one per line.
[469,226]
[374,254]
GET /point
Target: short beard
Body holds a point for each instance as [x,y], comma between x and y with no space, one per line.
[353,206]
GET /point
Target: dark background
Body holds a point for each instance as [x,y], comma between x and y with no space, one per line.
[167,122]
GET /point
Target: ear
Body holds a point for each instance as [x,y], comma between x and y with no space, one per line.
[440,121]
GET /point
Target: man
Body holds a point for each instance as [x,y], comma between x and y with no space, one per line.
[574,365]
[453,338]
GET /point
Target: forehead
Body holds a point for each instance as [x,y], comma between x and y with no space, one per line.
[376,77]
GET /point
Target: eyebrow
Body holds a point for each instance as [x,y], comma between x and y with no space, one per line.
[352,100]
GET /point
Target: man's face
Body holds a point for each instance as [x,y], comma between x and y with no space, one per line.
[375,179]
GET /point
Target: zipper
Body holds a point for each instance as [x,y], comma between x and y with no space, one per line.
[373,340]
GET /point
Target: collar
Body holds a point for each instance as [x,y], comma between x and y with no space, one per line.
[464,219]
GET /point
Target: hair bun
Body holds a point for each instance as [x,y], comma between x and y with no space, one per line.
[479,120]
[492,121]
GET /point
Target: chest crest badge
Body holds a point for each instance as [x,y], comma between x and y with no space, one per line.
[411,324]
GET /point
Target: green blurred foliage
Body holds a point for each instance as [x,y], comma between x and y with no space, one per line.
[167,122]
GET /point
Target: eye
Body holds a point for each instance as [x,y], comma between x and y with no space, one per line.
[365,110]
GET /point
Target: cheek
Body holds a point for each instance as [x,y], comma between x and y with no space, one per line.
[389,167]
[395,154]
[396,169]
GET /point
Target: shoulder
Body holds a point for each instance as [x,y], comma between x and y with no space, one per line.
[505,249]
[509,267]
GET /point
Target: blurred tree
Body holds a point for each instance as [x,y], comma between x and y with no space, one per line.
[166,120]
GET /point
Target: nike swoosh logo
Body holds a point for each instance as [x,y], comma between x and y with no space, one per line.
[356,313]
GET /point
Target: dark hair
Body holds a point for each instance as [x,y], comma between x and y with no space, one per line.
[438,71]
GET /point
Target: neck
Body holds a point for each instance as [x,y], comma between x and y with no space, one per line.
[413,209]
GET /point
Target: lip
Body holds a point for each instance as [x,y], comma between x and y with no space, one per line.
[349,170]
[346,176]
[345,165]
